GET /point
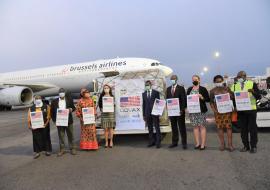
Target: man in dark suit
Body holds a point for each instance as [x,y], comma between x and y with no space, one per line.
[149,97]
[64,102]
[177,91]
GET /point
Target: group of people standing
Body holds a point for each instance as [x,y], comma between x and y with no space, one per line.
[246,119]
[88,138]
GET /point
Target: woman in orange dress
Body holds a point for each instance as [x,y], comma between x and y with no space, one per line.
[88,131]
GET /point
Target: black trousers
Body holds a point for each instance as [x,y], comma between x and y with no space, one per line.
[248,125]
[42,139]
[151,122]
[178,124]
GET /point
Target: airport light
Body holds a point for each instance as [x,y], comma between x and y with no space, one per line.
[205,69]
[216,54]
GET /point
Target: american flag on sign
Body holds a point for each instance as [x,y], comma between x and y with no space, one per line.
[35,115]
[241,95]
[130,101]
[63,112]
[223,98]
[109,100]
[173,102]
[87,111]
[193,98]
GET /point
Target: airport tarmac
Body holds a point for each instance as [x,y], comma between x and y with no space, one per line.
[130,164]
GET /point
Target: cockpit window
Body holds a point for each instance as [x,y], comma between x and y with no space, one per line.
[155,64]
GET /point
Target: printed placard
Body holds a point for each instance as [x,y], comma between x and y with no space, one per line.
[242,101]
[193,103]
[158,107]
[88,115]
[62,117]
[223,102]
[37,120]
[173,107]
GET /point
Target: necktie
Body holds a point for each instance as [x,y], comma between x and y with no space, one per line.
[173,90]
[148,94]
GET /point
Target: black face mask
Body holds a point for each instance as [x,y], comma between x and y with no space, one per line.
[195,83]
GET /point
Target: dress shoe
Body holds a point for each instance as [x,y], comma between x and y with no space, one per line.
[244,149]
[173,145]
[253,150]
[197,147]
[151,144]
[36,155]
[203,148]
[184,146]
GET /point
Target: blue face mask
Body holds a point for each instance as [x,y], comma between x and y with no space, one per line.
[173,82]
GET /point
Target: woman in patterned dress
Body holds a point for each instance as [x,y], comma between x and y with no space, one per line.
[88,132]
[198,120]
[108,118]
[223,120]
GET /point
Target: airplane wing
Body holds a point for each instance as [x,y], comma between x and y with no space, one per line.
[36,87]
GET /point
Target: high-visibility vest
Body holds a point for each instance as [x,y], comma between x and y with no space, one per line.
[248,84]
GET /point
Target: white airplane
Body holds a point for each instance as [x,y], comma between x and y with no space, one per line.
[18,88]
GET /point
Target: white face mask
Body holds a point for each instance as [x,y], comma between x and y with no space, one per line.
[62,94]
[38,103]
[241,80]
[219,84]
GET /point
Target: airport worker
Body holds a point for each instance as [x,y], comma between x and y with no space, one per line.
[88,140]
[149,96]
[223,120]
[247,119]
[198,120]
[64,101]
[41,136]
[107,118]
[178,123]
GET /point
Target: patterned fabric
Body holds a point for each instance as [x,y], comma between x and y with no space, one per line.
[224,121]
[88,132]
[197,119]
[108,120]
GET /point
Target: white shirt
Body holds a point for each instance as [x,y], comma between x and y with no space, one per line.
[62,103]
[149,92]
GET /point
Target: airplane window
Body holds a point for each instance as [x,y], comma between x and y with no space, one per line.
[153,64]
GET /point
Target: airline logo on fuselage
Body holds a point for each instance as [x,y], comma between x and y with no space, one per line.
[98,67]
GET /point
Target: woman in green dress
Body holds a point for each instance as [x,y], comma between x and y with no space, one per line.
[107,118]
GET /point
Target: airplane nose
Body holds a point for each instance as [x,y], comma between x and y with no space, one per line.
[167,70]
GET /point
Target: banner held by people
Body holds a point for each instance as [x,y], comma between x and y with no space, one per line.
[193,104]
[88,115]
[62,117]
[108,104]
[242,101]
[173,107]
[158,107]
[37,120]
[223,102]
